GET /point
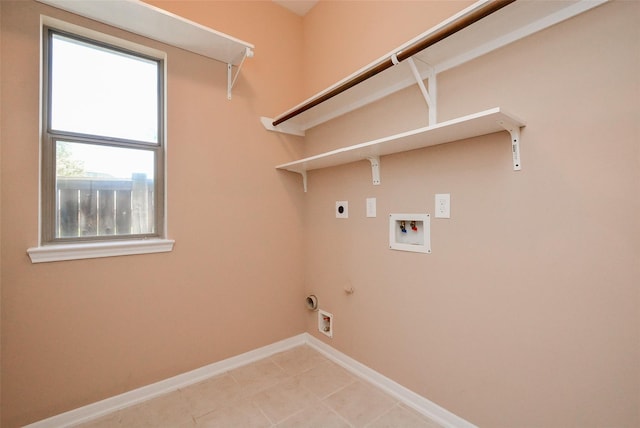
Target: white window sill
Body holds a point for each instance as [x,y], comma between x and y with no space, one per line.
[91,250]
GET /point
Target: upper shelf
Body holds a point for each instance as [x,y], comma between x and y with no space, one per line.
[477,124]
[157,24]
[513,22]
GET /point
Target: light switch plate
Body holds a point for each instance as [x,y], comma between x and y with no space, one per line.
[443,205]
[371,207]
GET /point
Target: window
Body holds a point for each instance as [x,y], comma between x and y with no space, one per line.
[103,148]
[102,178]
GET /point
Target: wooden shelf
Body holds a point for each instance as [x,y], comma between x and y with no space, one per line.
[515,21]
[474,125]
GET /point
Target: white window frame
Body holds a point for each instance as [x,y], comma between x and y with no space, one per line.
[49,252]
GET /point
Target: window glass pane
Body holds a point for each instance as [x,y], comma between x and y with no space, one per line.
[95,90]
[102,191]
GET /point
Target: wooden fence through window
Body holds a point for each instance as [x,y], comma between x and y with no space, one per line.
[104,206]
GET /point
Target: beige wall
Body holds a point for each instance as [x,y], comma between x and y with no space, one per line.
[80,331]
[527,313]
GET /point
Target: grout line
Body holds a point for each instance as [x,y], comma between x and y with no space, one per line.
[337,414]
[341,388]
[292,415]
[383,414]
[264,414]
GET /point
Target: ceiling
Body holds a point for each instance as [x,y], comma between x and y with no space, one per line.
[299,7]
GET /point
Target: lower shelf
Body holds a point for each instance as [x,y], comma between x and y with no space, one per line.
[473,125]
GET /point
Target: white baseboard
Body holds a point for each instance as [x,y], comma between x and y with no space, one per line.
[417,402]
[136,396]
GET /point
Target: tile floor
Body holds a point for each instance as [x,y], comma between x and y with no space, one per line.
[294,388]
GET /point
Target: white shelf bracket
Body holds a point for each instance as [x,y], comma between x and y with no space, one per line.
[375,169]
[430,94]
[514,132]
[283,128]
[231,79]
[304,180]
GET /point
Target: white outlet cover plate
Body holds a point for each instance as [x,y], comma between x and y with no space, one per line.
[342,209]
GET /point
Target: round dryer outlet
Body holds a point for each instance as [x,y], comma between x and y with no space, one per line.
[342,209]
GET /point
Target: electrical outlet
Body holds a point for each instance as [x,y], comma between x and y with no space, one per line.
[342,209]
[443,205]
